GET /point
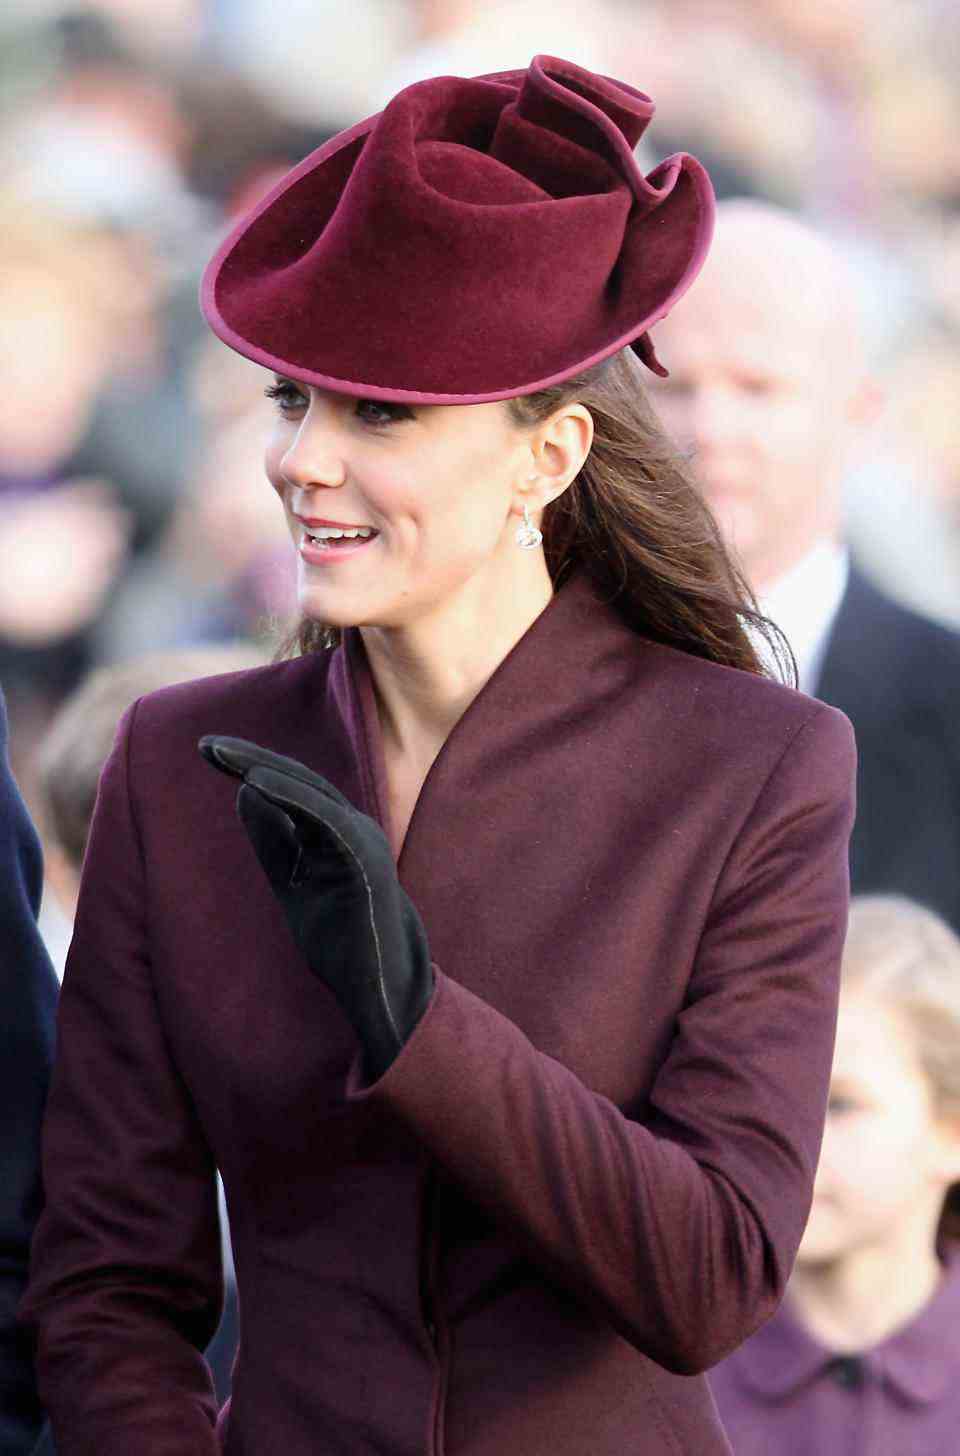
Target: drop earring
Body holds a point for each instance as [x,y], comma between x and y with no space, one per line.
[528,537]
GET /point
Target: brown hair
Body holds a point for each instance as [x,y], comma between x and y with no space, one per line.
[636,522]
[906,956]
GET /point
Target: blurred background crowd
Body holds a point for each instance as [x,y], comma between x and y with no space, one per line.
[137,531]
[132,132]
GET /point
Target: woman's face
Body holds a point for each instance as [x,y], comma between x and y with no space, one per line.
[885,1158]
[432,489]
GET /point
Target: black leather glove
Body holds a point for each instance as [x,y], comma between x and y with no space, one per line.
[333,873]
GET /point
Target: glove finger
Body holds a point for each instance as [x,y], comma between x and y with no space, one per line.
[230,755]
[337,832]
[309,807]
[239,757]
[273,835]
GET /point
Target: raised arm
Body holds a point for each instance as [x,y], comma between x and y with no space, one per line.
[680,1228]
[125,1286]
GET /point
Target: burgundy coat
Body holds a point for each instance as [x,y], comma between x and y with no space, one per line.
[584,1179]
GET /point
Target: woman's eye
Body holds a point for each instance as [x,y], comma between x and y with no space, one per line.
[287,397]
[381,412]
[290,400]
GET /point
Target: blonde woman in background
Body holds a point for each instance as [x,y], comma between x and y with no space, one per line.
[864,1353]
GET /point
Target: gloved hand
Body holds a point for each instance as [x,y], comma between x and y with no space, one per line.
[333,873]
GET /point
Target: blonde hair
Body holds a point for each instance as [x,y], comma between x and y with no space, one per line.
[908,957]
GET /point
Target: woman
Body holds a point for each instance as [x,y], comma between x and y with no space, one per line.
[507,1013]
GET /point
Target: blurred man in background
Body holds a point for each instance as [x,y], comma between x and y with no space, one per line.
[768,389]
[28,992]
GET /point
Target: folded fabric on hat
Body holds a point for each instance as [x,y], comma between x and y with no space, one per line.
[477,239]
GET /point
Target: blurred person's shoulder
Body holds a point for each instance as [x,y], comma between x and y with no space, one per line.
[920,633]
[883,639]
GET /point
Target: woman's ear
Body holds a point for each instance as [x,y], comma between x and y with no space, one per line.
[559,447]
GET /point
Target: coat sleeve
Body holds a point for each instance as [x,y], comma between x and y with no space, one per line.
[681,1227]
[28,990]
[125,1281]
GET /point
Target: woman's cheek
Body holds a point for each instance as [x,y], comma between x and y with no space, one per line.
[853,1156]
[881,1164]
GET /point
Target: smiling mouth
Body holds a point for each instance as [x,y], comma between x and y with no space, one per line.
[329,538]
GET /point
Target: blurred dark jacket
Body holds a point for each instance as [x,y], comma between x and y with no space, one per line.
[896,676]
[28,991]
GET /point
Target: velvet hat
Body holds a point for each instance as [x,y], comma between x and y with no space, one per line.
[477,239]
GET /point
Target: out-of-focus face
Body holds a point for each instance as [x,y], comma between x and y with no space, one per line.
[429,488]
[50,332]
[885,1152]
[758,394]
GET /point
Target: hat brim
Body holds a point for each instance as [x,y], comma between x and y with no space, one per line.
[219,285]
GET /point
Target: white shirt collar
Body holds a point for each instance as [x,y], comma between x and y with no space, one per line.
[804,603]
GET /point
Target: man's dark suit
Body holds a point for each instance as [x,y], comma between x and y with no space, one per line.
[28,990]
[896,676]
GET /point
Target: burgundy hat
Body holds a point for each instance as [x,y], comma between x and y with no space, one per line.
[474,240]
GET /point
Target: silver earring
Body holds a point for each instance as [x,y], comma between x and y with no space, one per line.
[528,537]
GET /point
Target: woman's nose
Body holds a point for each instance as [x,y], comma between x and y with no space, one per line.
[314,458]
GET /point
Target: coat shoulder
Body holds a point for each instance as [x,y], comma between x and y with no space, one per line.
[256,703]
[737,710]
[227,689]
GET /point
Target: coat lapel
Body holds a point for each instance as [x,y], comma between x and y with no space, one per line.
[520,807]
[540,686]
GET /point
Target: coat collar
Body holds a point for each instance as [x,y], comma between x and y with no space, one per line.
[576,644]
[920,1360]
